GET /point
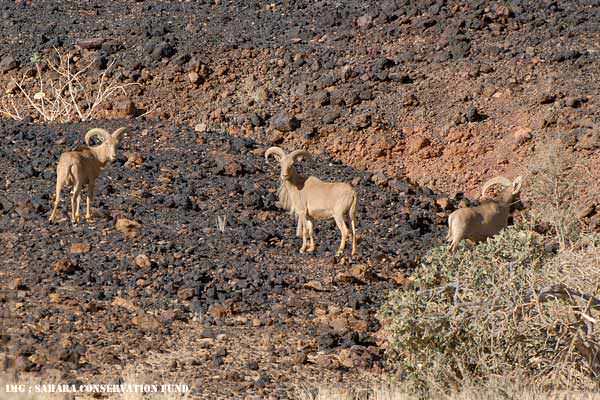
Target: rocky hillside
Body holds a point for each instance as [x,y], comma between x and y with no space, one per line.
[444,93]
[190,272]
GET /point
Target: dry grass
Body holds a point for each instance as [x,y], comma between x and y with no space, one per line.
[492,390]
[56,91]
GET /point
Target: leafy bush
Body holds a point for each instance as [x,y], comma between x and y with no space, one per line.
[504,308]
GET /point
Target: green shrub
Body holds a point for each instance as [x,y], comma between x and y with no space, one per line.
[503,308]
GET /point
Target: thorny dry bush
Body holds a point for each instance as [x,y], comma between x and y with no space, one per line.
[559,184]
[504,308]
[55,90]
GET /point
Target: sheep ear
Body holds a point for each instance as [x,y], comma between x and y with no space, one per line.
[517,184]
[118,134]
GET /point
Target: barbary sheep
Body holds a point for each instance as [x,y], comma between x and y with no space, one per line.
[82,166]
[311,199]
[488,218]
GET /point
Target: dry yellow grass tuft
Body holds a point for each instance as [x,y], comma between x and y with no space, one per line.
[492,390]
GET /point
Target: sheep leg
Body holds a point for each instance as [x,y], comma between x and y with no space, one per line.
[353,223]
[75,201]
[339,220]
[311,237]
[453,246]
[59,186]
[89,199]
[302,221]
[299,228]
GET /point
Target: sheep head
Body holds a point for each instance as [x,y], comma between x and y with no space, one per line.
[286,161]
[110,142]
[287,174]
[511,192]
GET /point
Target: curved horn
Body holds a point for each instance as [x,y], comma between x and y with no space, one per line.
[277,151]
[118,134]
[497,180]
[96,132]
[294,155]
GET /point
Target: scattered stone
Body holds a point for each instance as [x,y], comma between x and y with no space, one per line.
[314,285]
[64,266]
[522,135]
[121,302]
[186,293]
[574,102]
[129,228]
[285,122]
[163,50]
[339,325]
[256,120]
[299,358]
[547,98]
[17,284]
[147,323]
[134,159]
[226,164]
[124,108]
[143,261]
[80,248]
[217,311]
[379,178]
[193,77]
[365,21]
[473,115]
[331,116]
[345,358]
[7,64]
[321,99]
[328,361]
[90,44]
[416,143]
[362,121]
[201,127]
[587,139]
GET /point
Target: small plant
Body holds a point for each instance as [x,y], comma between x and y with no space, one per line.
[221,222]
[59,92]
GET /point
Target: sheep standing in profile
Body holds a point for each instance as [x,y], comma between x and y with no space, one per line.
[82,166]
[488,218]
[311,199]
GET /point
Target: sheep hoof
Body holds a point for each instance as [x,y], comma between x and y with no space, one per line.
[310,249]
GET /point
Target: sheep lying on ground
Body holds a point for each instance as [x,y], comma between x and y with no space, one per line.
[82,166]
[488,218]
[311,199]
